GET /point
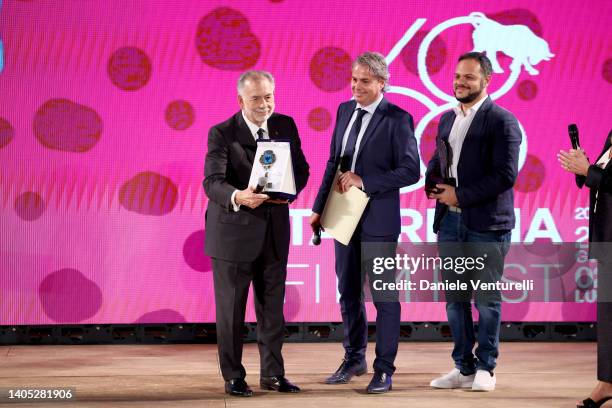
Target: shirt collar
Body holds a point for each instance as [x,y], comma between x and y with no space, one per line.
[371,108]
[254,128]
[472,110]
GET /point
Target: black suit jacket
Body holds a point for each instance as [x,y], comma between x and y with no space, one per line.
[599,181]
[387,160]
[239,235]
[487,169]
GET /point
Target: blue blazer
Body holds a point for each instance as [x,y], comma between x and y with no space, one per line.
[487,169]
[387,160]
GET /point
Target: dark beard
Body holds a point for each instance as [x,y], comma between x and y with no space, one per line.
[471,97]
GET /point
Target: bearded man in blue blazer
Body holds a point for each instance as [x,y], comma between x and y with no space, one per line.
[474,214]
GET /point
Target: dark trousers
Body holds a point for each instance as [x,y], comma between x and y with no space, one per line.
[455,240]
[232,280]
[604,322]
[352,306]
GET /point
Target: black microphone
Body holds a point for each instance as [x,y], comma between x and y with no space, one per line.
[573,135]
[261,183]
[316,239]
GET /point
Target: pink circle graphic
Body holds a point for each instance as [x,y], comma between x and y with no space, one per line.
[428,141]
[67,296]
[29,206]
[6,132]
[179,115]
[193,252]
[436,54]
[527,90]
[149,193]
[292,303]
[518,16]
[319,119]
[161,316]
[531,177]
[129,68]
[606,70]
[61,124]
[224,40]
[330,69]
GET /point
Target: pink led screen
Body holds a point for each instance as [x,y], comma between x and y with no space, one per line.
[105,108]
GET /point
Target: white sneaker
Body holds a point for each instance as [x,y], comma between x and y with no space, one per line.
[454,379]
[484,381]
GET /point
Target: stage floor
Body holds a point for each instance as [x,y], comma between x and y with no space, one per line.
[529,375]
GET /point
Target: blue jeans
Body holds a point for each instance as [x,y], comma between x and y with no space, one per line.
[453,240]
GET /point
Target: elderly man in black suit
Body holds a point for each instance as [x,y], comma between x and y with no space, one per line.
[247,233]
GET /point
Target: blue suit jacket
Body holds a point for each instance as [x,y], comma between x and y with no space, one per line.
[487,169]
[387,160]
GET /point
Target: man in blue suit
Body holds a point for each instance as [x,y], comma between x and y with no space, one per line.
[374,147]
[475,216]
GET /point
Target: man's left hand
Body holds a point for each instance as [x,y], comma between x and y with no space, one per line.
[448,196]
[348,179]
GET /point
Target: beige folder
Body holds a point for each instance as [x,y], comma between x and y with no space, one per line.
[342,212]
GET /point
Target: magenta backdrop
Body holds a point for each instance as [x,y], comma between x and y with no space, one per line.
[105,109]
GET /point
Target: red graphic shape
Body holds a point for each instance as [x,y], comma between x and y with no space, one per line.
[29,206]
[436,54]
[428,141]
[179,115]
[527,90]
[531,176]
[224,40]
[193,252]
[129,68]
[67,296]
[292,303]
[149,193]
[6,132]
[319,119]
[330,69]
[61,124]
[606,70]
[161,316]
[518,16]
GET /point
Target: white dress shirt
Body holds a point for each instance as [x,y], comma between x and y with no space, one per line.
[253,128]
[365,121]
[461,125]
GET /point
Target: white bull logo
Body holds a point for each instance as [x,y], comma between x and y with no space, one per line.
[516,41]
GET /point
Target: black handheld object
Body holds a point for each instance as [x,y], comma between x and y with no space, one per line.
[316,239]
[261,183]
[572,129]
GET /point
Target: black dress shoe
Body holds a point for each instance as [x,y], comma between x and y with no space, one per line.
[278,383]
[346,371]
[238,387]
[589,403]
[381,383]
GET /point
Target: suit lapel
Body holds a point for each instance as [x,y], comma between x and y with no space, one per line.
[477,124]
[343,121]
[245,138]
[273,131]
[447,126]
[379,113]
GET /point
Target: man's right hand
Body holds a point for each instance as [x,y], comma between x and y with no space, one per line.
[249,198]
[315,221]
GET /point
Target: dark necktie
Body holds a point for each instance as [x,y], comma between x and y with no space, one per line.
[260,134]
[349,149]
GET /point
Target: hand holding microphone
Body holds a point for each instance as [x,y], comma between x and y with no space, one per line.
[315,224]
[575,160]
